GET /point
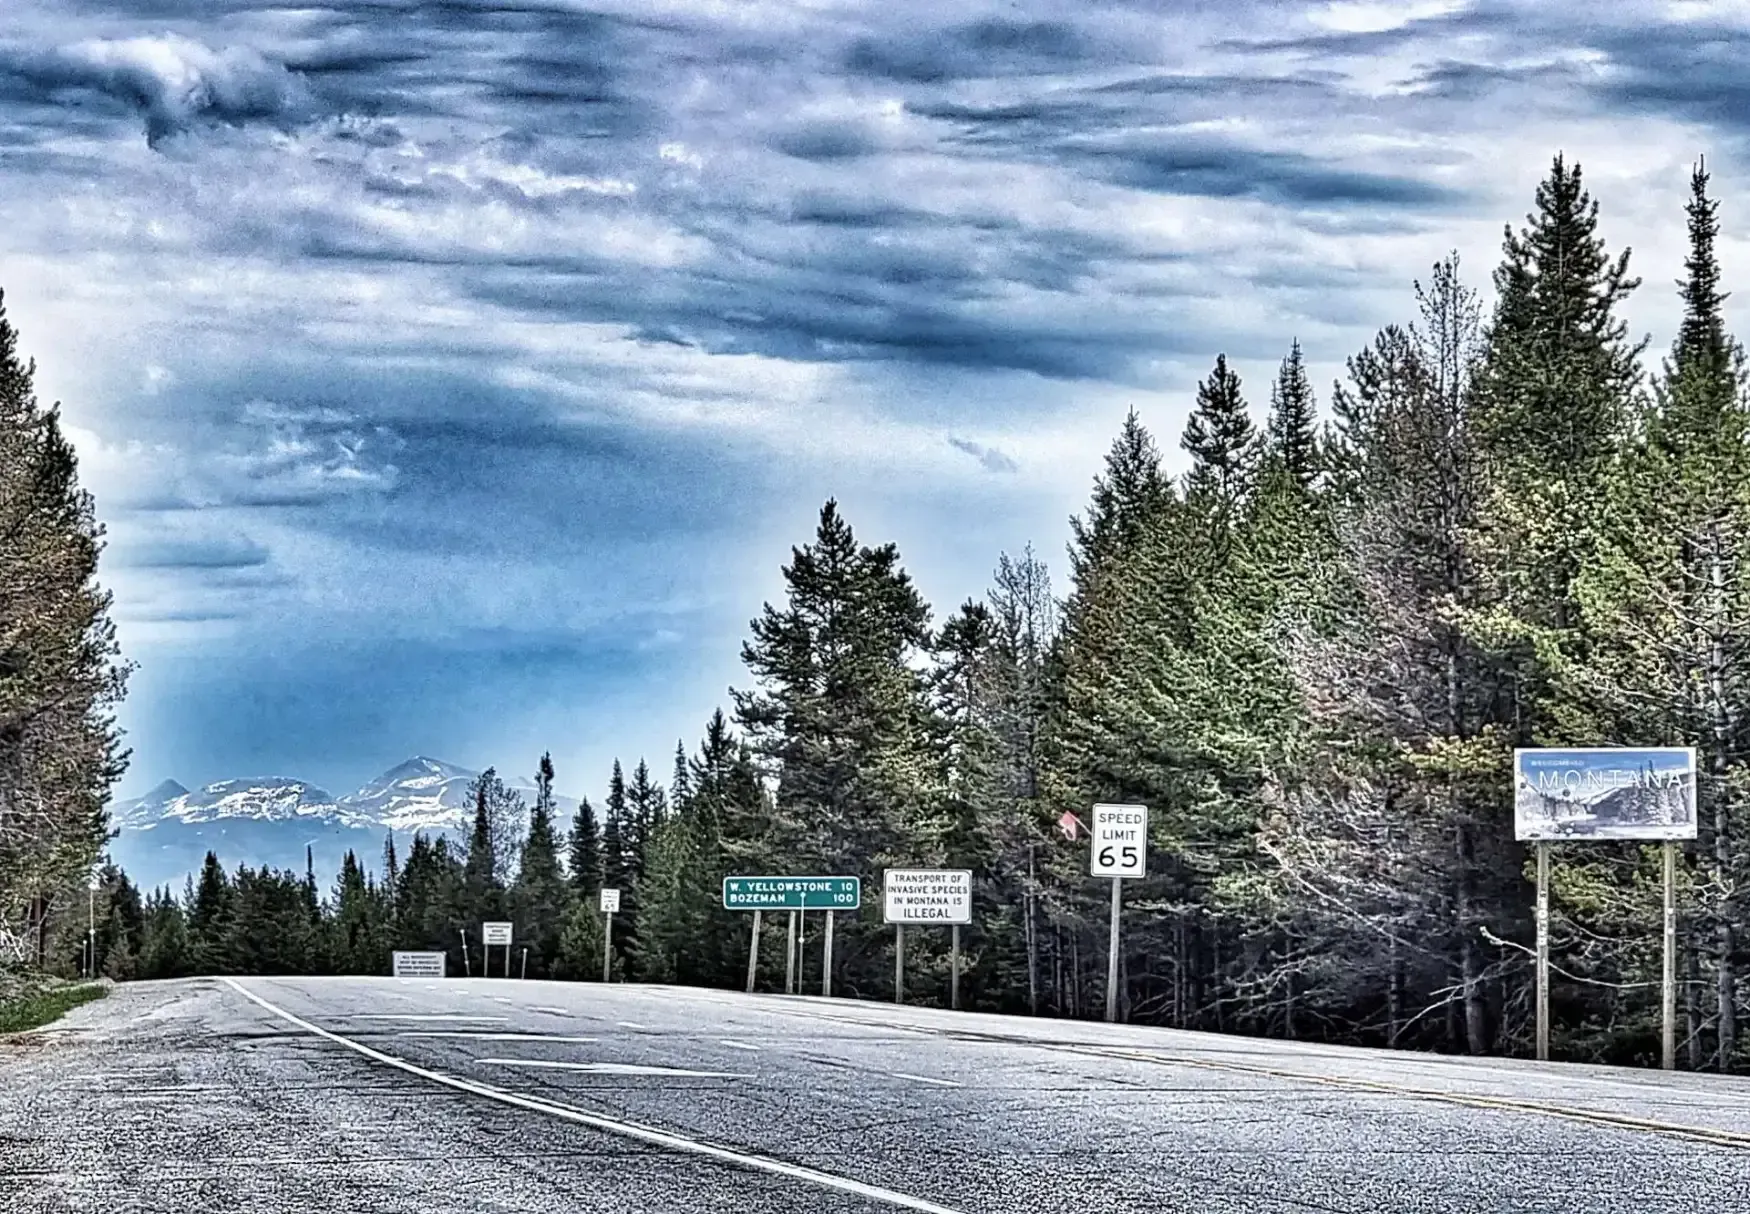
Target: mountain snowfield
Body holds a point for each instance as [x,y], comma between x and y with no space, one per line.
[164,836]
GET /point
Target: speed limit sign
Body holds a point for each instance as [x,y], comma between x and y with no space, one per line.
[1120,841]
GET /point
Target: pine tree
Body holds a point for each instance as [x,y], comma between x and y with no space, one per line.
[1292,437]
[483,872]
[616,833]
[681,783]
[841,716]
[584,853]
[1223,445]
[60,674]
[165,948]
[540,896]
[209,918]
[1130,490]
[619,860]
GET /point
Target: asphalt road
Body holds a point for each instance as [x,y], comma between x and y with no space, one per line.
[468,1096]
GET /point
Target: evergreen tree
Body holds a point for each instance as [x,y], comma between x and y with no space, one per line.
[60,674]
[165,948]
[620,861]
[487,861]
[1292,435]
[584,853]
[209,918]
[357,926]
[842,716]
[540,897]
[1223,445]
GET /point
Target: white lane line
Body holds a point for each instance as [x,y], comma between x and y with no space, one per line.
[610,1068]
[551,1011]
[628,1024]
[502,999]
[740,1045]
[626,1129]
[430,1016]
[467,1036]
[943,1083]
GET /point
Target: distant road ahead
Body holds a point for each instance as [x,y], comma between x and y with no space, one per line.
[474,1096]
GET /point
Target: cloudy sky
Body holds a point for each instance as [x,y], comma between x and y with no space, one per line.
[454,376]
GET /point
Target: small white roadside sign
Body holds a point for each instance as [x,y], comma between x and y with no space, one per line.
[610,902]
[496,933]
[927,895]
[419,965]
[1120,843]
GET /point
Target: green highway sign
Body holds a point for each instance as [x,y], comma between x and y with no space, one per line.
[792,893]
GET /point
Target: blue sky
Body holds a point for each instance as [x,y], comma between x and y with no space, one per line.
[454,377]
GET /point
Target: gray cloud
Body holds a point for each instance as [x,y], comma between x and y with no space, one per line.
[990,47]
[989,458]
[194,553]
[174,82]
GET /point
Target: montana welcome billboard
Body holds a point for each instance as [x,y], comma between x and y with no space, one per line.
[1604,793]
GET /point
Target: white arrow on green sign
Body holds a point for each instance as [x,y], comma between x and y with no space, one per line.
[792,893]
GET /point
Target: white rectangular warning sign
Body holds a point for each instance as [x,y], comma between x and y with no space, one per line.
[419,965]
[927,895]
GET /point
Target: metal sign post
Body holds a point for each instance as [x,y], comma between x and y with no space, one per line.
[928,896]
[954,982]
[610,903]
[1119,850]
[899,965]
[1112,951]
[826,960]
[753,951]
[790,957]
[1604,793]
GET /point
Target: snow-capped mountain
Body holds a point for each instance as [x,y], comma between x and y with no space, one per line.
[271,799]
[420,794]
[165,835]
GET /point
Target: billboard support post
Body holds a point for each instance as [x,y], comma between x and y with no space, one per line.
[1543,952]
[1668,1001]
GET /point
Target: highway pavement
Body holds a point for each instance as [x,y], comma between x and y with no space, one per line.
[465,1096]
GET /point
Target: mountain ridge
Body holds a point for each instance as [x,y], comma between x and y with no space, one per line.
[163,836]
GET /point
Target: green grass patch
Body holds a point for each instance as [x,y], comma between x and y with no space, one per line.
[43,1007]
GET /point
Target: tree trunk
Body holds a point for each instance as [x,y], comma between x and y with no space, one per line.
[1032,941]
[1394,993]
[1691,1005]
[1725,937]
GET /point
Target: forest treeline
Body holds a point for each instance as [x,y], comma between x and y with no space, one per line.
[1312,655]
